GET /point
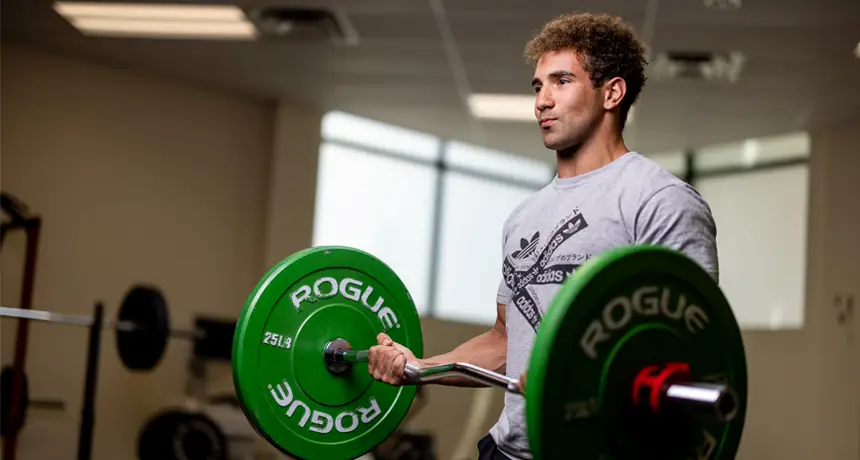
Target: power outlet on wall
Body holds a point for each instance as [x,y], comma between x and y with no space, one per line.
[843,303]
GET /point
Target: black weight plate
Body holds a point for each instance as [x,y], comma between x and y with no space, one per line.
[155,439]
[142,348]
[175,434]
[217,340]
[9,425]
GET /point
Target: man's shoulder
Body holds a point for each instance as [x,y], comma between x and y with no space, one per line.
[670,212]
[643,179]
[641,171]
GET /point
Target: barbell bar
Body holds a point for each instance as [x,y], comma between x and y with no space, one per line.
[638,355]
[87,321]
[142,326]
[710,402]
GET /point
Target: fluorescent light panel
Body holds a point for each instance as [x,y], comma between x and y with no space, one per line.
[151,11]
[129,27]
[508,107]
[157,20]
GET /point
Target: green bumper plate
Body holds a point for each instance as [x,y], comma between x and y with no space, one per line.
[280,374]
[625,310]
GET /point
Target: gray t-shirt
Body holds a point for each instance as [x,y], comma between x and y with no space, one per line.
[629,201]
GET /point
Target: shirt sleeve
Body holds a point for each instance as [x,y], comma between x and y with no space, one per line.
[678,217]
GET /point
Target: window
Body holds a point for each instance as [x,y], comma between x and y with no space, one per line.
[470,246]
[380,205]
[752,152]
[761,240]
[462,156]
[349,129]
[377,191]
[758,189]
[433,210]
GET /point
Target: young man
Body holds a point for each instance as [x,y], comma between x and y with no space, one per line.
[589,70]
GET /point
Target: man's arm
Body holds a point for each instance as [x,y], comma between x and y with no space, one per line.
[677,217]
[388,359]
[488,350]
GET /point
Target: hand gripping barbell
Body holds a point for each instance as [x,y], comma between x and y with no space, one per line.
[654,387]
[638,356]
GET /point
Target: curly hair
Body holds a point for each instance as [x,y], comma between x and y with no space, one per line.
[609,46]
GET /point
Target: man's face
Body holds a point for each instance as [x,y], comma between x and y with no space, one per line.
[567,106]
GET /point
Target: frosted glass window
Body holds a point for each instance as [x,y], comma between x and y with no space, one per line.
[480,159]
[381,205]
[761,240]
[750,152]
[470,258]
[352,129]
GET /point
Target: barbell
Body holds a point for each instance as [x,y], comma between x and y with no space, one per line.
[142,326]
[638,356]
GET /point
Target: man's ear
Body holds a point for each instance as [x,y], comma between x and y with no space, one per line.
[614,91]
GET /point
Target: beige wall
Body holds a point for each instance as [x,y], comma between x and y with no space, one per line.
[200,192]
[137,180]
[838,361]
[805,385]
[293,178]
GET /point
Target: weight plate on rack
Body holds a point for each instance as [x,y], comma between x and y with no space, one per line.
[142,348]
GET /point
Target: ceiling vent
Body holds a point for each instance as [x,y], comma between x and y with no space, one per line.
[701,66]
[303,25]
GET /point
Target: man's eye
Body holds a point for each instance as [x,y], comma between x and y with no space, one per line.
[563,80]
[536,89]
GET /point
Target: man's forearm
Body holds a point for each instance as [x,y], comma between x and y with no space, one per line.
[488,350]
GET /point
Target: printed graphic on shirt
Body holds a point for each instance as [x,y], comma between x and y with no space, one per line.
[547,267]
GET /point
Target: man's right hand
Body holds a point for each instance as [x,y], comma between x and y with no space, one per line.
[387,360]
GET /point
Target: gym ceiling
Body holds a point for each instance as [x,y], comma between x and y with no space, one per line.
[770,66]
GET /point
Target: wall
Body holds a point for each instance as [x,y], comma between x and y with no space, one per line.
[804,398]
[839,360]
[137,180]
[290,217]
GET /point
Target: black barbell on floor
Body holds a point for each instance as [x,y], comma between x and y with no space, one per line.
[142,326]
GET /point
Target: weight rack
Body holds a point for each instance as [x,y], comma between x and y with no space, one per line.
[20,219]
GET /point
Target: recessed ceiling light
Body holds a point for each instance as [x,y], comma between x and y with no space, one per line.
[157,20]
[857,50]
[508,107]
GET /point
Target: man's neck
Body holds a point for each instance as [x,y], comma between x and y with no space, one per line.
[595,153]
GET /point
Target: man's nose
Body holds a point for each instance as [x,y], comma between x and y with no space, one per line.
[543,101]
